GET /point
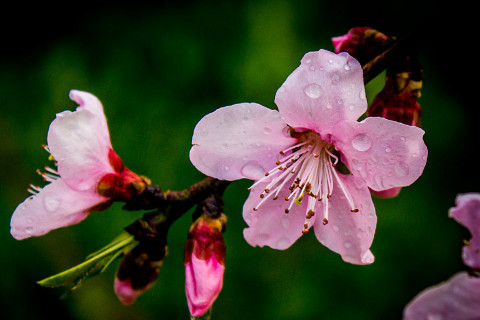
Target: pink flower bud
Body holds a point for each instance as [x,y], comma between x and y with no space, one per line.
[204,264]
[139,270]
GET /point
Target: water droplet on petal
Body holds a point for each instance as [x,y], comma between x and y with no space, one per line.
[388,149]
[403,138]
[329,106]
[351,107]
[285,222]
[253,171]
[362,142]
[335,228]
[347,244]
[346,66]
[283,243]
[401,169]
[227,168]
[313,91]
[51,203]
[434,316]
[267,130]
[362,95]
[29,230]
[367,257]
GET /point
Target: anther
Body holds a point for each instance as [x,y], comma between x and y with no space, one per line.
[287,211]
[267,190]
[310,214]
[305,231]
[275,198]
[261,196]
[267,174]
[354,210]
[325,221]
[255,209]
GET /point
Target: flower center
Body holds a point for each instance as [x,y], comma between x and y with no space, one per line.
[308,171]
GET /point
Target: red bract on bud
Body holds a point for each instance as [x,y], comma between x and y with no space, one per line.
[139,270]
[122,185]
[204,263]
[363,43]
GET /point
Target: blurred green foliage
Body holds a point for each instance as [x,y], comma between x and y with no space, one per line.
[158,69]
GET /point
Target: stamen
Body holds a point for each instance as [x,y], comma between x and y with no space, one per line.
[34,189]
[282,152]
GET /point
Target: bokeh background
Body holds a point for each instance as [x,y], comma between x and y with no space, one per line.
[158,68]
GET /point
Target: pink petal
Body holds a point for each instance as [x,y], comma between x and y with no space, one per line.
[79,144]
[239,141]
[347,233]
[270,225]
[323,90]
[389,193]
[456,299]
[91,103]
[467,213]
[203,282]
[125,293]
[385,153]
[56,206]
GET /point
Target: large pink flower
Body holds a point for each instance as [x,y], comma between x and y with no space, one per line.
[89,173]
[467,213]
[312,161]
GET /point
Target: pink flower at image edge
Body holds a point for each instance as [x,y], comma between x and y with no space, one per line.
[296,156]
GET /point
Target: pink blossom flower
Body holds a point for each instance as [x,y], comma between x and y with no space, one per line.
[204,264]
[312,161]
[89,174]
[456,299]
[467,213]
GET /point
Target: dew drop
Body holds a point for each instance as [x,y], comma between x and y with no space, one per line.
[312,68]
[335,228]
[313,91]
[346,66]
[285,222]
[351,107]
[362,95]
[29,230]
[329,106]
[330,61]
[367,257]
[347,244]
[362,142]
[388,150]
[402,138]
[434,316]
[267,130]
[227,168]
[401,169]
[282,243]
[51,203]
[253,171]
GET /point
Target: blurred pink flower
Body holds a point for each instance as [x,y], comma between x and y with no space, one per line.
[467,213]
[456,299]
[89,173]
[313,156]
[204,264]
[126,293]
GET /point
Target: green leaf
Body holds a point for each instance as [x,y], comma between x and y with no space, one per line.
[94,264]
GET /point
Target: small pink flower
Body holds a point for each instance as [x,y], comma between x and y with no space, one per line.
[89,174]
[456,299]
[312,161]
[204,264]
[467,213]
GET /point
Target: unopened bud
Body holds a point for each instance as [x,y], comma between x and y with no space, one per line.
[204,263]
[139,270]
[363,43]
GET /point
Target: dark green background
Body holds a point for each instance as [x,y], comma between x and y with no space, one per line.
[158,69]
